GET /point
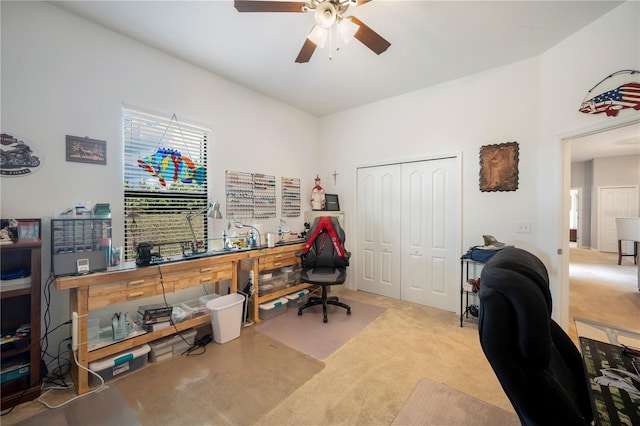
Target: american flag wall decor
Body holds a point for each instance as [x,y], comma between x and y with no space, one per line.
[615,92]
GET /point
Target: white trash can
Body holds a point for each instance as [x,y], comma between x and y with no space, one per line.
[226,317]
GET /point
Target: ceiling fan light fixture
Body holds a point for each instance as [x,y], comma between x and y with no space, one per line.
[318,36]
[347,29]
[325,14]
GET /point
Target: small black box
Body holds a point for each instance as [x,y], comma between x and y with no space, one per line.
[152,312]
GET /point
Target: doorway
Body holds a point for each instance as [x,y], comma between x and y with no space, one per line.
[581,143]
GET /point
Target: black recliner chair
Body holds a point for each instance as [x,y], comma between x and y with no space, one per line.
[537,364]
[324,262]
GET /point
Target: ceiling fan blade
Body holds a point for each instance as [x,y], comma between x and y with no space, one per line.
[361,2]
[307,50]
[268,6]
[370,38]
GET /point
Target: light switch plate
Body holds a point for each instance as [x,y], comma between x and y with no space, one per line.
[524,227]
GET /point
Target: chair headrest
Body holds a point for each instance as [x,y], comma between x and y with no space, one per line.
[523,263]
[521,280]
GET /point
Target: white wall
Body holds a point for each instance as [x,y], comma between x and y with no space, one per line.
[533,102]
[62,75]
[582,177]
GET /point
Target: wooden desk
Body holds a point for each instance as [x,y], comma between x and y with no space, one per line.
[611,405]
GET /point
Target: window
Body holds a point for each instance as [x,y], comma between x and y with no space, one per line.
[165,181]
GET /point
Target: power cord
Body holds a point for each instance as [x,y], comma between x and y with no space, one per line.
[200,343]
[164,297]
[47,390]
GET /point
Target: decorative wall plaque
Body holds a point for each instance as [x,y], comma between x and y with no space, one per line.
[499,167]
[85,150]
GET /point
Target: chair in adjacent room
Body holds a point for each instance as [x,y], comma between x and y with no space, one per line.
[537,364]
[324,262]
[628,230]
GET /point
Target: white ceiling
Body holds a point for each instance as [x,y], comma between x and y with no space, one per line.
[612,143]
[431,42]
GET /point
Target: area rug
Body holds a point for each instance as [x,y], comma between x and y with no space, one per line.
[433,403]
[308,334]
[106,407]
[235,383]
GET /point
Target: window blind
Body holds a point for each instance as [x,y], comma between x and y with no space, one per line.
[165,181]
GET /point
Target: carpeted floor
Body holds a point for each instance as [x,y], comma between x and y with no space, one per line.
[308,334]
[426,402]
[602,290]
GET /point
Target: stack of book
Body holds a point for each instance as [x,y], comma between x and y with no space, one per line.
[154,317]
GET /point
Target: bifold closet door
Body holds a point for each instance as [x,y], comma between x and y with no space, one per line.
[378,230]
[408,231]
[430,233]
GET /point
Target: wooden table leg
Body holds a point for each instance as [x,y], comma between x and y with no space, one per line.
[619,252]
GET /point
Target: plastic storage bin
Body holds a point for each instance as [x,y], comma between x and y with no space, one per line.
[226,317]
[180,313]
[271,282]
[117,364]
[271,309]
[204,299]
[291,275]
[195,307]
[297,299]
[167,347]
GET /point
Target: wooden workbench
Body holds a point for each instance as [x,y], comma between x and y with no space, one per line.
[129,283]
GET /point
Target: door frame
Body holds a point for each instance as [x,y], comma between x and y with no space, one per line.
[579,214]
[564,142]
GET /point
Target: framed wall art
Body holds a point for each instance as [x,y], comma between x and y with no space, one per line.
[28,230]
[499,167]
[85,150]
[332,204]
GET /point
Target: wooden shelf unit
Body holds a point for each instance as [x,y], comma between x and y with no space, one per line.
[465,275]
[22,306]
[269,259]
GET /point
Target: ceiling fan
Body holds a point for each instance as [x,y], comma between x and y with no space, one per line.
[327,14]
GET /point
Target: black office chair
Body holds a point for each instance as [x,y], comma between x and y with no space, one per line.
[324,262]
[537,364]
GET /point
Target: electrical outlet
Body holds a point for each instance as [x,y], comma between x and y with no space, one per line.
[524,227]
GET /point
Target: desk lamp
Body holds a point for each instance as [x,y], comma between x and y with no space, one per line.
[253,228]
[213,211]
